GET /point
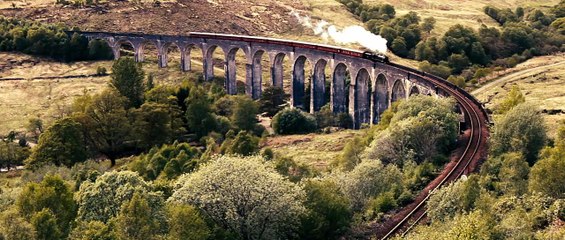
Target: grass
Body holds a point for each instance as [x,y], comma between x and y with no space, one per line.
[466,12]
[315,150]
[540,79]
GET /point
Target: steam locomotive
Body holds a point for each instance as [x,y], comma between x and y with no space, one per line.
[377,57]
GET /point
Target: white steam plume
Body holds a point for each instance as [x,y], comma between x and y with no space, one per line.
[351,34]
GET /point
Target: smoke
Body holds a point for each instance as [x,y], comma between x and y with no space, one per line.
[352,34]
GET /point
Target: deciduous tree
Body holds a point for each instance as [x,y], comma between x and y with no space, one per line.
[244,196]
[62,144]
[522,130]
[127,78]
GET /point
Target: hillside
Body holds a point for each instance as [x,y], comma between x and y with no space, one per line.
[540,79]
[466,12]
[256,17]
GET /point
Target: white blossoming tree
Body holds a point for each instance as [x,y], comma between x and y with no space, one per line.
[244,196]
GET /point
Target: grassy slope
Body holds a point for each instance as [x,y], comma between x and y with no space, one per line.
[316,150]
[466,12]
[541,80]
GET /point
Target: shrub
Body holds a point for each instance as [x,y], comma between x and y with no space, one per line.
[291,121]
[100,71]
[272,100]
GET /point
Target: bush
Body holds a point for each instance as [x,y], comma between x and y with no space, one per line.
[272,100]
[101,71]
[292,121]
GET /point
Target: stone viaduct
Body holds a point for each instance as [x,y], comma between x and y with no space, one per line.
[373,85]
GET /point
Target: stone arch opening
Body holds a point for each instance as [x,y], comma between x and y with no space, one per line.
[257,84]
[340,88]
[414,91]
[318,89]
[301,78]
[236,71]
[281,72]
[380,95]
[361,104]
[214,60]
[398,92]
[171,56]
[278,70]
[125,49]
[148,52]
[195,60]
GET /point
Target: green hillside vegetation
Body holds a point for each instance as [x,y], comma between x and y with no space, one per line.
[522,33]
[180,135]
[511,198]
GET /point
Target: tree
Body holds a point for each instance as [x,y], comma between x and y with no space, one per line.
[458,62]
[12,154]
[244,196]
[522,130]
[102,200]
[244,144]
[389,34]
[199,112]
[438,70]
[35,126]
[448,201]
[52,195]
[369,179]
[186,223]
[136,220]
[14,227]
[419,116]
[244,116]
[328,215]
[513,174]
[428,24]
[352,154]
[511,100]
[547,175]
[106,124]
[127,78]
[426,50]
[457,81]
[168,161]
[477,54]
[399,47]
[518,36]
[152,125]
[412,36]
[459,39]
[165,96]
[45,225]
[273,99]
[291,121]
[62,144]
[93,230]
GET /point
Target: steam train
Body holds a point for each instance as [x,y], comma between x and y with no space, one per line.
[376,57]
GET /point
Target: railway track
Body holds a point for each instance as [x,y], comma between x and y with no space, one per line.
[473,153]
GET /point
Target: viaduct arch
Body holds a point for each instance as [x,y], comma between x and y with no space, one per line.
[358,86]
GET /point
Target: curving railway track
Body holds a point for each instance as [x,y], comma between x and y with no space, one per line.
[471,150]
